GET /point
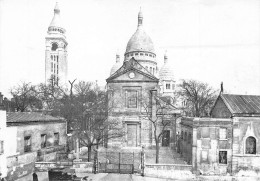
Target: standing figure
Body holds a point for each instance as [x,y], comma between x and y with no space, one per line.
[35,177]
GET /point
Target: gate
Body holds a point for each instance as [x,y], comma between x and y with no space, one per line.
[119,162]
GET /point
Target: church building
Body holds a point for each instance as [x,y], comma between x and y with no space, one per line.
[56,64]
[135,82]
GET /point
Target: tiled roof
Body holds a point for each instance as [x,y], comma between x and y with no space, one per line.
[242,104]
[13,117]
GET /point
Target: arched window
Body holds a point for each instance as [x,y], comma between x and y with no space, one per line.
[54,46]
[250,145]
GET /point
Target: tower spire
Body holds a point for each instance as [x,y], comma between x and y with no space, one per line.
[165,57]
[57,9]
[117,57]
[140,18]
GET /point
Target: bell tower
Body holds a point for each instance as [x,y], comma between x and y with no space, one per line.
[56,64]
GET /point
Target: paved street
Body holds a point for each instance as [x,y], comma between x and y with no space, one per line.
[129,177]
[122,177]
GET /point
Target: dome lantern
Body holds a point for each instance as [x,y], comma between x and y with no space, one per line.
[166,72]
[56,24]
[117,65]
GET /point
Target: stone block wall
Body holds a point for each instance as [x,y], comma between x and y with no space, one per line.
[35,132]
[209,146]
[244,127]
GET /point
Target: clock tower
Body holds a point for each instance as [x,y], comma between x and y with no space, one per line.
[56,65]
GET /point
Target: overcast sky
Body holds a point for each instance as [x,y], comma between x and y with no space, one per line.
[206,40]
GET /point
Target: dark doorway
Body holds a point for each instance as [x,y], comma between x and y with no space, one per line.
[166,138]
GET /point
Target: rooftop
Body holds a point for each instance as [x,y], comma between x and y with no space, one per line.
[242,104]
[14,117]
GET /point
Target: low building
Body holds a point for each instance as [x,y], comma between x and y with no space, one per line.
[206,144]
[32,137]
[228,141]
[244,111]
[3,143]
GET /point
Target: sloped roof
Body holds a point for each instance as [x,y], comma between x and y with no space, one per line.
[242,104]
[13,117]
[131,64]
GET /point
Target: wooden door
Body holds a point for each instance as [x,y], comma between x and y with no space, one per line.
[166,138]
[132,135]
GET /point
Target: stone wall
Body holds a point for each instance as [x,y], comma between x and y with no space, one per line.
[244,127]
[204,148]
[209,146]
[21,165]
[35,132]
[170,171]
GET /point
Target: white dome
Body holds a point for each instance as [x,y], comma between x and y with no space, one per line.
[166,72]
[116,66]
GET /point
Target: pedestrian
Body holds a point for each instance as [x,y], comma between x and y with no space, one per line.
[35,177]
[2,178]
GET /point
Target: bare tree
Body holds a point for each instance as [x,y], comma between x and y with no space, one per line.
[160,114]
[86,109]
[25,97]
[51,95]
[197,97]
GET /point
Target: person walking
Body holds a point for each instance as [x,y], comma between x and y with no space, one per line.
[35,176]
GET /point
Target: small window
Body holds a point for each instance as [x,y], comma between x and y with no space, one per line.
[151,69]
[51,57]
[141,54]
[56,139]
[57,58]
[27,144]
[168,86]
[181,134]
[51,67]
[146,68]
[132,54]
[222,133]
[250,145]
[54,46]
[1,147]
[172,86]
[131,99]
[223,157]
[150,55]
[205,132]
[146,54]
[136,53]
[43,140]
[128,55]
[185,136]
[189,138]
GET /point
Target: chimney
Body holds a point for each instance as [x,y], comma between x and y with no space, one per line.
[2,107]
[221,88]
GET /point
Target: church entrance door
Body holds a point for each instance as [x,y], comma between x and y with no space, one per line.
[166,138]
[132,135]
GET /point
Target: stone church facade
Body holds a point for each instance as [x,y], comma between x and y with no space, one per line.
[137,81]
